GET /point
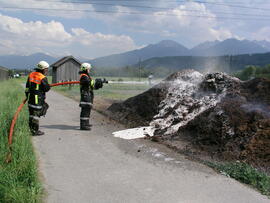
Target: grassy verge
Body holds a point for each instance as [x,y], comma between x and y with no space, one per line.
[113,91]
[106,96]
[120,79]
[19,179]
[245,174]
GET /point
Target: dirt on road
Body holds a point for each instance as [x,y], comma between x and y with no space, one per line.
[83,166]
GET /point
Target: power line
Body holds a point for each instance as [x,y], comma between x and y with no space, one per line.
[229,5]
[150,7]
[131,13]
[158,8]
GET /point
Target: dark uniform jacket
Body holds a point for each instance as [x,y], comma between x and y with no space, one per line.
[86,89]
[36,87]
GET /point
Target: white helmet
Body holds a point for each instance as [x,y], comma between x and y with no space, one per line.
[85,66]
[42,65]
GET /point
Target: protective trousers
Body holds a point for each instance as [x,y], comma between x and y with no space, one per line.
[34,115]
[34,119]
[86,106]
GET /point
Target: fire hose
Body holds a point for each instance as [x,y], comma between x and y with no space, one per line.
[9,156]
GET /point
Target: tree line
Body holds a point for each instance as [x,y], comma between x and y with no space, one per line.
[251,72]
[131,71]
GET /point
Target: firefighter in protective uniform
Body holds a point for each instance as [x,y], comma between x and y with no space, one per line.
[87,85]
[36,87]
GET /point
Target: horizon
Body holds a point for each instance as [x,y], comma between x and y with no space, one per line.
[84,58]
[93,29]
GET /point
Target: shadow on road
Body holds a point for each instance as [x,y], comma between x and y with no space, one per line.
[61,127]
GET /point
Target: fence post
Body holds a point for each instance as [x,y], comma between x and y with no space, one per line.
[69,87]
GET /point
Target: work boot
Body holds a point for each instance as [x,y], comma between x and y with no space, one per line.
[85,128]
[88,124]
[84,125]
[38,133]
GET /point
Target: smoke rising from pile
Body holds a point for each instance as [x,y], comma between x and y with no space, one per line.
[257,108]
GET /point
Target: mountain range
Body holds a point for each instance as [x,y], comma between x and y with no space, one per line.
[25,62]
[166,48]
[172,48]
[205,63]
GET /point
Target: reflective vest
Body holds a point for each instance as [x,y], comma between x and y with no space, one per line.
[92,82]
[36,77]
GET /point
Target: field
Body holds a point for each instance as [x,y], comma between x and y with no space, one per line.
[114,91]
[118,89]
[18,179]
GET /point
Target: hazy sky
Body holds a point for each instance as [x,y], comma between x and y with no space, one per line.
[94,28]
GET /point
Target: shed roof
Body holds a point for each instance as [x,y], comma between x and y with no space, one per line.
[3,68]
[63,60]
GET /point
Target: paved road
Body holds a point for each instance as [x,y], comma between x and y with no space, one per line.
[84,167]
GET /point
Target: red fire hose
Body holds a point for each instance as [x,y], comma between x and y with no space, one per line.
[8,159]
[65,83]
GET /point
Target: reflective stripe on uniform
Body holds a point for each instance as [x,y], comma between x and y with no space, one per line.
[87,103]
[84,118]
[34,117]
[34,106]
[36,99]
[84,75]
[37,87]
[92,83]
[34,81]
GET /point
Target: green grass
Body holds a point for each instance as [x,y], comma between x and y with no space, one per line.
[113,91]
[18,179]
[20,80]
[121,91]
[119,79]
[245,174]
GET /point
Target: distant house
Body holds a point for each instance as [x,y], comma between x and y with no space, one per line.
[4,75]
[65,69]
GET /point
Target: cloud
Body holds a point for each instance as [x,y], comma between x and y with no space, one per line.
[189,21]
[36,30]
[24,38]
[52,7]
[18,37]
[100,44]
[262,34]
[177,21]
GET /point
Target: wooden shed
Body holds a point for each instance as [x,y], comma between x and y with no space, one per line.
[65,69]
[4,75]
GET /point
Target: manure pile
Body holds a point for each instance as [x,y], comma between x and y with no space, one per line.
[217,113]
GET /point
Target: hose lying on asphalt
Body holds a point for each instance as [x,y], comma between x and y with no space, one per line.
[11,129]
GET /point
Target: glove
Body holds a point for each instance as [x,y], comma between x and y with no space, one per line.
[98,83]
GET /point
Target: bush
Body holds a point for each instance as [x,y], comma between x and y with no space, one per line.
[253,71]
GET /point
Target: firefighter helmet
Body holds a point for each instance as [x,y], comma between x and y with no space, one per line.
[86,66]
[42,65]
